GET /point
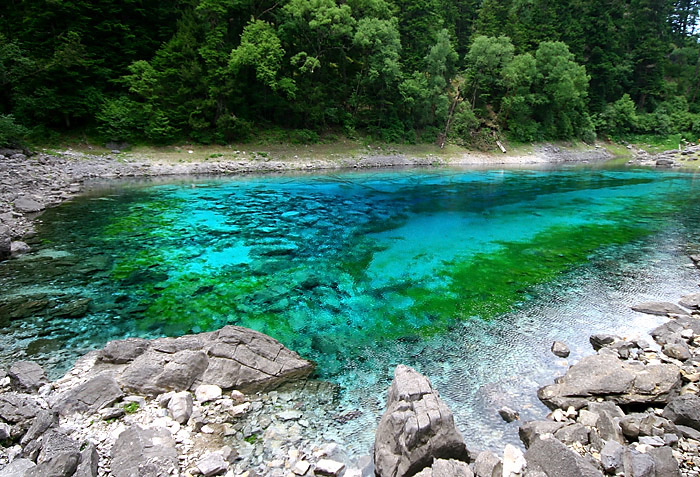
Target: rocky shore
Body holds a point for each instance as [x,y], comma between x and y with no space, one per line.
[686,157]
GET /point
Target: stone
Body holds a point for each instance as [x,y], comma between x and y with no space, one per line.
[691,301]
[487,464]
[26,376]
[670,332]
[573,433]
[329,467]
[664,462]
[44,421]
[513,460]
[677,351]
[587,418]
[180,406]
[289,415]
[554,459]
[142,451]
[531,431]
[111,413]
[63,465]
[5,242]
[123,351]
[212,463]
[55,443]
[684,410]
[638,464]
[5,431]
[17,407]
[608,423]
[18,248]
[95,394]
[301,467]
[560,349]
[606,376]
[74,308]
[653,441]
[27,205]
[599,341]
[659,308]
[17,468]
[688,432]
[207,392]
[89,462]
[416,427]
[508,414]
[446,468]
[611,457]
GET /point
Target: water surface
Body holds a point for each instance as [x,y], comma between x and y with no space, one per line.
[466,275]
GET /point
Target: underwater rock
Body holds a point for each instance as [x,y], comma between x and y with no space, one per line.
[606,376]
[416,428]
[73,309]
[659,308]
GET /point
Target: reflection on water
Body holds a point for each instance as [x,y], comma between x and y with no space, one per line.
[466,275]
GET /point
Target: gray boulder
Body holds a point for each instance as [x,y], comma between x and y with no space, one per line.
[554,459]
[531,431]
[670,331]
[63,465]
[608,423]
[659,308]
[27,205]
[606,376]
[678,350]
[26,376]
[154,372]
[416,428]
[599,341]
[89,462]
[123,351]
[141,452]
[447,468]
[487,464]
[18,248]
[637,464]
[691,301]
[17,468]
[180,406]
[44,421]
[611,457]
[684,410]
[17,407]
[573,433]
[97,393]
[5,242]
[560,349]
[666,465]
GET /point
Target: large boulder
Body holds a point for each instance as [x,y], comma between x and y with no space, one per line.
[684,410]
[610,378]
[99,392]
[26,376]
[447,468]
[27,205]
[691,301]
[416,428]
[554,459]
[659,308]
[142,451]
[18,408]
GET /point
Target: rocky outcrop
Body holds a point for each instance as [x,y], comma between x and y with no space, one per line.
[144,451]
[659,308]
[416,428]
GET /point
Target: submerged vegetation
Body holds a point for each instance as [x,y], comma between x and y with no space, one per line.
[465,71]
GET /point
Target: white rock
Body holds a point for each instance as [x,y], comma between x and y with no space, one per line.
[207,392]
[301,467]
[180,406]
[289,415]
[212,463]
[513,460]
[240,409]
[207,429]
[558,415]
[329,467]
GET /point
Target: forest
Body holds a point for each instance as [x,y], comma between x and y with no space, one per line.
[462,71]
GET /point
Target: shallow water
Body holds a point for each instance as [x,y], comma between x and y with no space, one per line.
[466,275]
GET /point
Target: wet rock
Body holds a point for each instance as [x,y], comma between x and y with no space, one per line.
[691,301]
[19,307]
[97,393]
[599,341]
[17,468]
[329,467]
[623,382]
[446,468]
[180,406]
[416,428]
[26,376]
[554,459]
[659,308]
[611,457]
[664,462]
[27,205]
[508,414]
[531,431]
[560,349]
[18,248]
[74,308]
[637,464]
[487,464]
[144,451]
[684,410]
[212,463]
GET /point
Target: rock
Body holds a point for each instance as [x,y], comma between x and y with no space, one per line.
[608,423]
[17,468]
[665,162]
[44,421]
[111,413]
[684,410]
[18,248]
[5,431]
[142,451]
[653,441]
[508,414]
[74,308]
[670,332]
[689,432]
[290,415]
[89,462]
[416,428]
[26,376]
[17,407]
[587,418]
[611,457]
[691,301]
[27,205]
[599,341]
[531,431]
[180,406]
[154,372]
[696,260]
[447,468]
[97,393]
[554,459]
[212,463]
[5,242]
[573,433]
[637,464]
[301,467]
[63,465]
[123,351]
[560,349]
[513,460]
[207,392]
[487,464]
[664,462]
[56,443]
[329,467]
[623,382]
[677,351]
[659,308]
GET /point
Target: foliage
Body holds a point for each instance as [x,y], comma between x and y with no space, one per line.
[11,133]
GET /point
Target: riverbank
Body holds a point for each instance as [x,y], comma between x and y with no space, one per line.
[30,184]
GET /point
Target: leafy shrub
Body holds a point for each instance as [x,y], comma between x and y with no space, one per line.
[303,136]
[11,133]
[120,119]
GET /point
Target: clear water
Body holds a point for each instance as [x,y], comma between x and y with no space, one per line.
[466,275]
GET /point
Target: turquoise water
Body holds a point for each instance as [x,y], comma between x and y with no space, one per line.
[467,275]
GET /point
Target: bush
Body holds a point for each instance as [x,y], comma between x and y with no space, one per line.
[619,117]
[304,136]
[11,133]
[121,119]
